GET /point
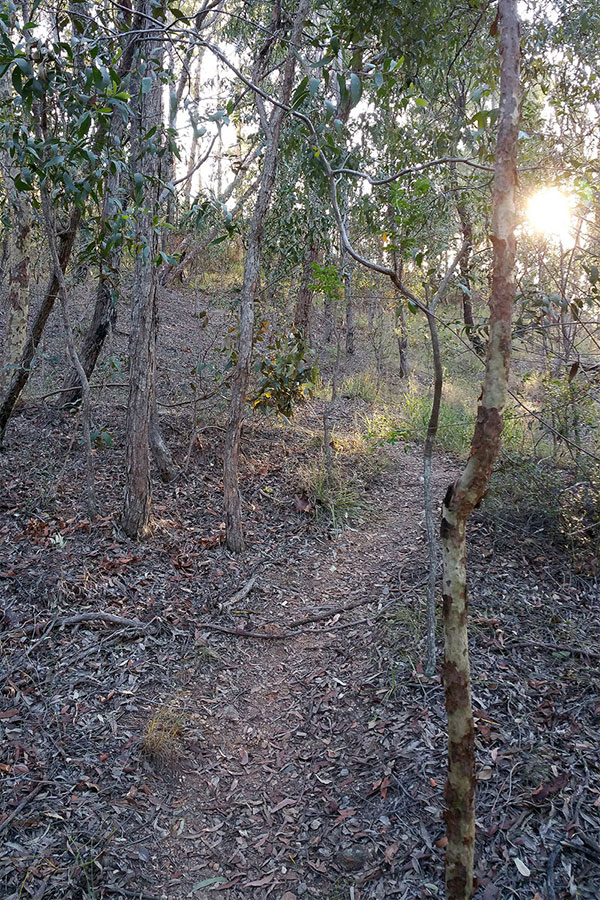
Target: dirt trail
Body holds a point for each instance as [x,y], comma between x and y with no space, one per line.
[308,768]
[281,796]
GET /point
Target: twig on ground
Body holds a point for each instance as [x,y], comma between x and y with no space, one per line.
[30,796]
[329,613]
[242,593]
[550,870]
[240,632]
[563,648]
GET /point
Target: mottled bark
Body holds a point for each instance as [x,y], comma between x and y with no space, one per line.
[271,126]
[468,490]
[329,314]
[17,292]
[142,341]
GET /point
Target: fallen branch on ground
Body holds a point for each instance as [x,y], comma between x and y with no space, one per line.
[79,619]
[242,593]
[561,648]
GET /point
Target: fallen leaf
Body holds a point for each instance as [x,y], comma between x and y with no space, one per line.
[523,869]
[391,851]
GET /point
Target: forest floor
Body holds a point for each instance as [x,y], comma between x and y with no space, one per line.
[285,743]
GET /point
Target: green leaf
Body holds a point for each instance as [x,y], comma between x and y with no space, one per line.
[355,89]
[146,84]
[25,66]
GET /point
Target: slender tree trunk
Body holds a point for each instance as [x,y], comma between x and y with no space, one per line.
[20,376]
[432,427]
[304,299]
[329,314]
[465,271]
[349,292]
[16,247]
[271,127]
[468,490]
[402,338]
[142,341]
[158,446]
[104,317]
[85,387]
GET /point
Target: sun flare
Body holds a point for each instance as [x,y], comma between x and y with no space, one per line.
[549,213]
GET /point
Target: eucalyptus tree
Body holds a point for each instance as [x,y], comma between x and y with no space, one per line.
[148,143]
[79,87]
[19,213]
[271,122]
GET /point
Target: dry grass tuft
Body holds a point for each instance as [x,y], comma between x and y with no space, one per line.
[164,735]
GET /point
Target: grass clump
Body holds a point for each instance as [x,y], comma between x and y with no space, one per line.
[456,422]
[362,386]
[164,734]
[336,495]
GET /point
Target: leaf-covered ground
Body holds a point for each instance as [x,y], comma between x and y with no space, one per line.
[150,749]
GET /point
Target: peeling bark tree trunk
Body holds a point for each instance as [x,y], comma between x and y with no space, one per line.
[142,341]
[462,497]
[17,294]
[329,314]
[16,247]
[271,126]
[305,293]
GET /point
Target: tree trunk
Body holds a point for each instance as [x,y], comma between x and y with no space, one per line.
[305,293]
[66,319]
[158,446]
[465,267]
[468,490]
[104,317]
[350,319]
[432,428]
[271,127]
[402,338]
[142,341]
[20,376]
[18,286]
[329,314]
